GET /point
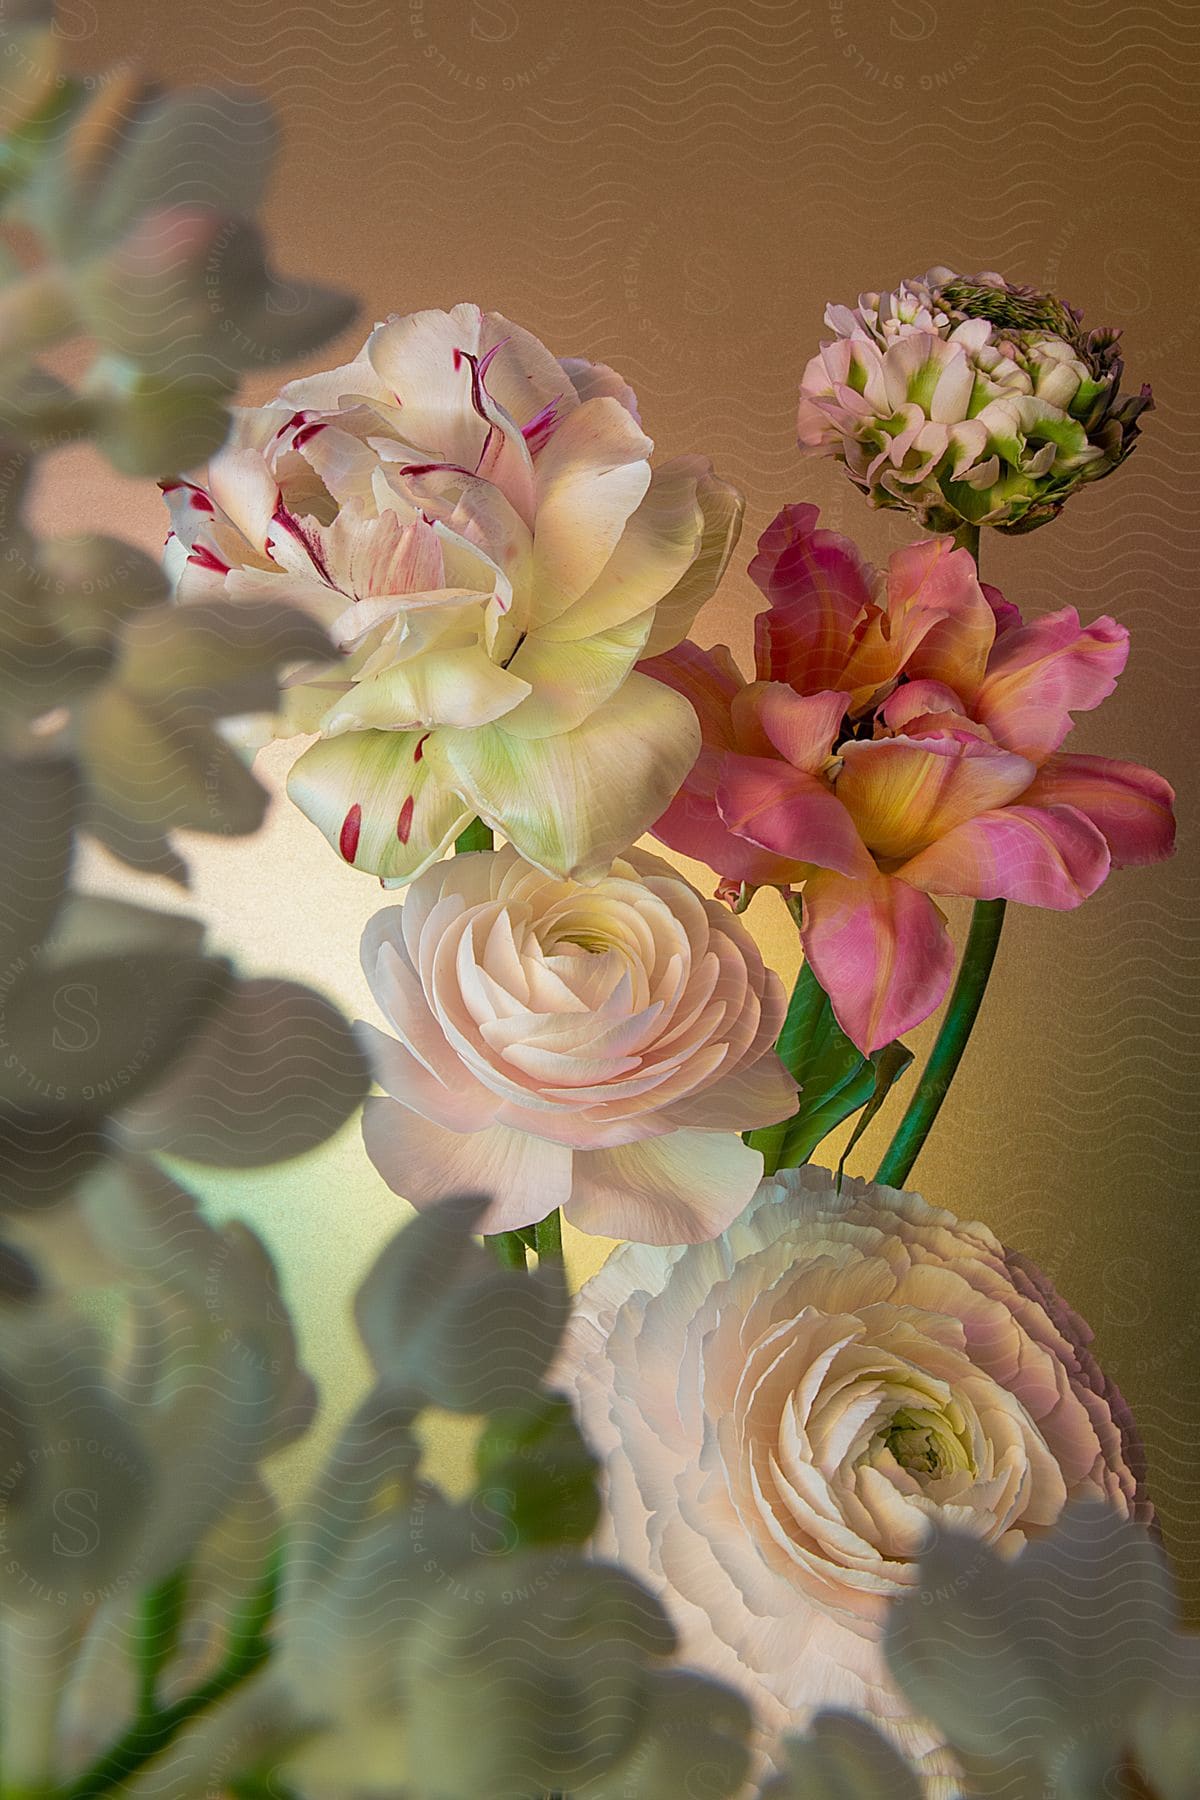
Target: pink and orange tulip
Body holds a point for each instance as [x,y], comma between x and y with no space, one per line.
[901,740]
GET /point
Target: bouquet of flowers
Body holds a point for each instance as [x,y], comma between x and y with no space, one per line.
[816,1489]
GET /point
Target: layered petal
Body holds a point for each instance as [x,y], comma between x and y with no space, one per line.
[590,477]
[681,1189]
[820,592]
[792,814]
[478,528]
[721,511]
[904,793]
[938,625]
[786,1416]
[379,800]
[570,803]
[1132,807]
[568,680]
[1041,855]
[628,1025]
[527,1177]
[658,546]
[693,825]
[1039,674]
[880,950]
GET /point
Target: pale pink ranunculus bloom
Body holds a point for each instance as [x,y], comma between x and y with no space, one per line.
[598,1048]
[477,525]
[785,1414]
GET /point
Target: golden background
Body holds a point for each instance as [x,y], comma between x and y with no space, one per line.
[677,187]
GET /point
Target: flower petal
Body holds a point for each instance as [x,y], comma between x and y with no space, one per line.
[684,1188]
[460,688]
[525,1176]
[659,545]
[721,509]
[904,793]
[881,952]
[568,681]
[939,625]
[795,815]
[379,800]
[1041,855]
[802,727]
[1038,674]
[590,476]
[819,588]
[571,803]
[1130,805]
[709,679]
[459,1104]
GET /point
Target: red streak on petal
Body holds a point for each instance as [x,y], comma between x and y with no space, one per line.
[200,502]
[204,558]
[458,357]
[434,468]
[419,752]
[307,432]
[486,360]
[404,822]
[349,834]
[541,428]
[308,540]
[297,418]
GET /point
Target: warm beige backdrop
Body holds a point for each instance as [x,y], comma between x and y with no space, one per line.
[677,186]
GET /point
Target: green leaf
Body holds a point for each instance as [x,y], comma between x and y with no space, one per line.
[537,1475]
[843,1757]
[274,1072]
[695,1740]
[445,1327]
[834,1077]
[889,1064]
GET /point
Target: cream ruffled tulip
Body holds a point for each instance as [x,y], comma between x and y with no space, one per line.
[596,1048]
[478,528]
[785,1415]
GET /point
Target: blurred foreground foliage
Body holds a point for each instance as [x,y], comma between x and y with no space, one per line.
[165,1629]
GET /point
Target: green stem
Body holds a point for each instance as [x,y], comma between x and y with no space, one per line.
[147,1736]
[961,1013]
[159,1619]
[804,1009]
[549,1238]
[967,538]
[508,1248]
[477,836]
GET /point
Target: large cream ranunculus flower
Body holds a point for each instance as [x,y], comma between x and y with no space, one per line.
[785,1413]
[597,1048]
[477,526]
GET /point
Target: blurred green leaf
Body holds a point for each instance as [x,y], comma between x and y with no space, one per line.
[443,1323]
[81,1036]
[39,805]
[538,1473]
[843,1757]
[275,1071]
[1035,1668]
[694,1742]
[548,1663]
